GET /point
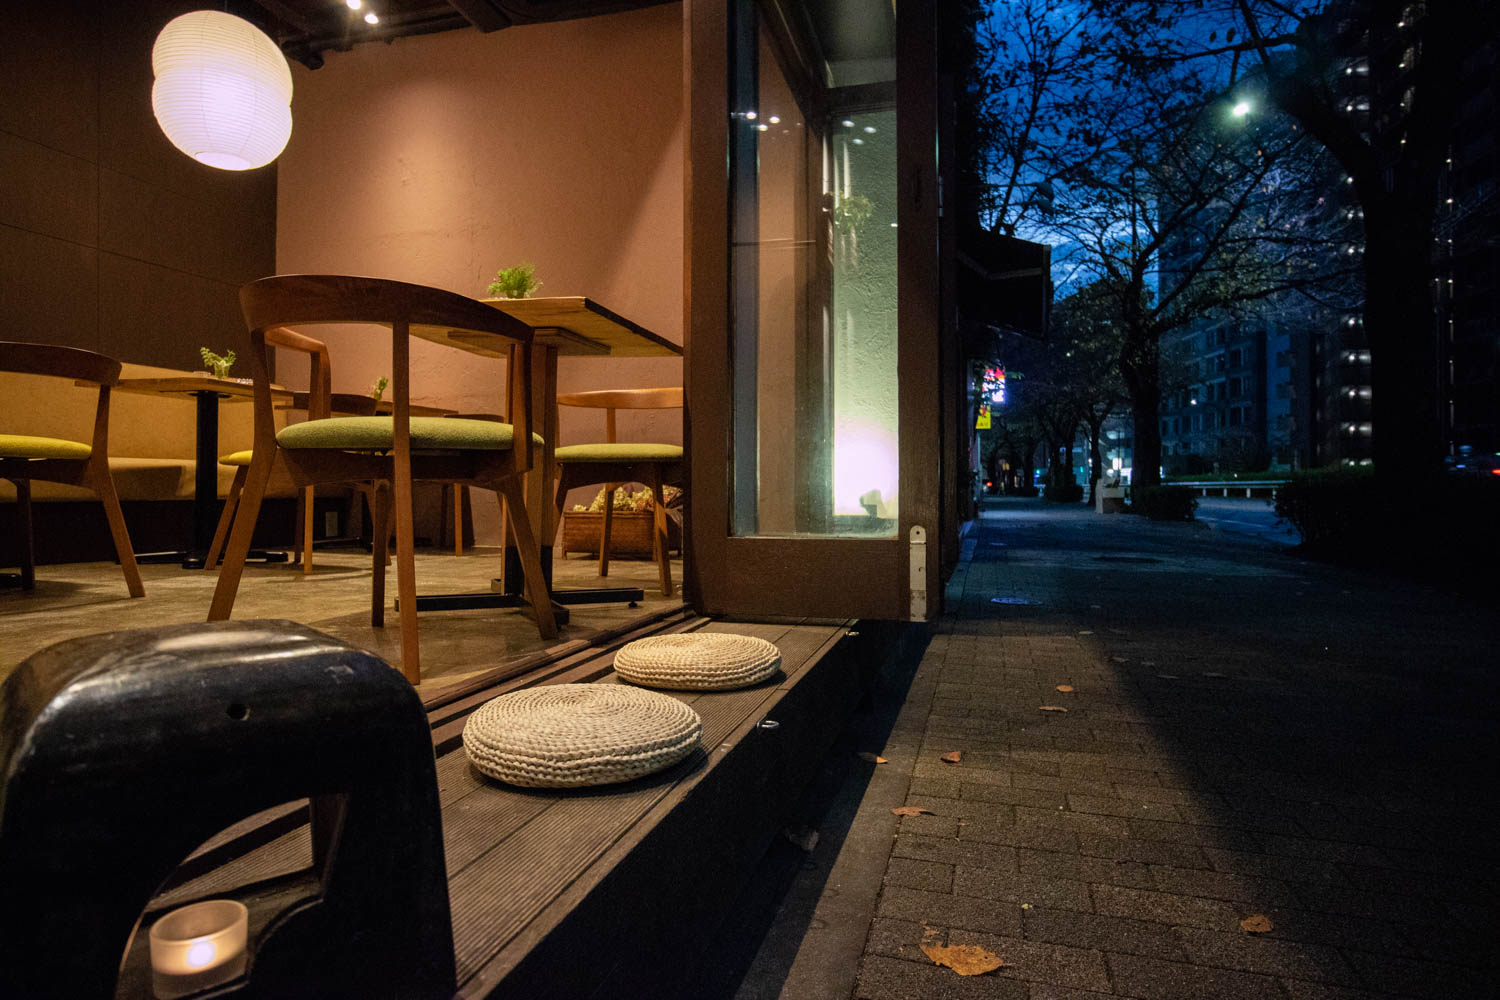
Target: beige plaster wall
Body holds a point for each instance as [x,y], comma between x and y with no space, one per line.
[439,158]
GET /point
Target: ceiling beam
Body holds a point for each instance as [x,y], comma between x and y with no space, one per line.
[482,14]
[288,15]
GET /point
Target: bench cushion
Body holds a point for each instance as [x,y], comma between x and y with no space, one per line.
[620,451]
[573,735]
[31,446]
[377,433]
[697,661]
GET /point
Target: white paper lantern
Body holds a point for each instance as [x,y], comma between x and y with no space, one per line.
[223,90]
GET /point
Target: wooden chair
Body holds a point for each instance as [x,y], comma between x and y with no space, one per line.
[392,451]
[55,460]
[343,404]
[613,462]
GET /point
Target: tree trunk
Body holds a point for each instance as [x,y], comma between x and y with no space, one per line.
[1401,326]
[1139,367]
[1096,456]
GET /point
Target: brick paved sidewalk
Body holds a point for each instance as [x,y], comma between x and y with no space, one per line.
[1247,734]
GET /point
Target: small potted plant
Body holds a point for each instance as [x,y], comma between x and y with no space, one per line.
[218,364]
[378,389]
[517,282]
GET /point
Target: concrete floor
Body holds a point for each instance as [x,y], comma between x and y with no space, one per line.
[85,598]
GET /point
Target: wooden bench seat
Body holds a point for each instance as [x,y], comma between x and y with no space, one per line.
[538,877]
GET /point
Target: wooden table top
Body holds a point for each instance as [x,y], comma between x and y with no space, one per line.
[574,324]
[190,385]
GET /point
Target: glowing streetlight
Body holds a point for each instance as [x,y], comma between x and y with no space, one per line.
[1241,109]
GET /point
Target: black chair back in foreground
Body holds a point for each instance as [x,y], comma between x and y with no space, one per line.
[122,753]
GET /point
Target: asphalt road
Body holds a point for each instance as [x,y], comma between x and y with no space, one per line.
[1249,518]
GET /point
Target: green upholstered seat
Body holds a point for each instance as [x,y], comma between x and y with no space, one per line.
[236,457]
[29,446]
[620,451]
[376,433]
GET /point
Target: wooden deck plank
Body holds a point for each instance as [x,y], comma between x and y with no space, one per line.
[290,852]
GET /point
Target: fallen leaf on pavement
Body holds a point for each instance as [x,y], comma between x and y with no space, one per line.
[1258,924]
[1051,708]
[912,811]
[873,758]
[1065,688]
[964,959]
[952,757]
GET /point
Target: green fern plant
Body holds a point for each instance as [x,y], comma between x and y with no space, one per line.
[218,364]
[378,389]
[517,282]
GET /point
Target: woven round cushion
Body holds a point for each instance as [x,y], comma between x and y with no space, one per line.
[697,661]
[571,735]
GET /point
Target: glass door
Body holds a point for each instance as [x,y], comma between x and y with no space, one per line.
[812,354]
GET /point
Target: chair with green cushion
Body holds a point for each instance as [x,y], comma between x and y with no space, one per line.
[56,460]
[392,451]
[613,462]
[341,403]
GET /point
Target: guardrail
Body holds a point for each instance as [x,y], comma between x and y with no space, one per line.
[1269,486]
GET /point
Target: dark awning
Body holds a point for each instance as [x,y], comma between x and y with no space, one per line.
[1004,288]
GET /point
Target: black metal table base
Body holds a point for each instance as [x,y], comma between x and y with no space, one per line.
[194,560]
[500,597]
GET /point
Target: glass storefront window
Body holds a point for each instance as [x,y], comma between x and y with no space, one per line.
[813,175]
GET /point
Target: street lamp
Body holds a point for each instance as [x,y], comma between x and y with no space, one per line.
[1241,109]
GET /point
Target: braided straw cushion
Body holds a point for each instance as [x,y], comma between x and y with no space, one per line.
[571,735]
[697,661]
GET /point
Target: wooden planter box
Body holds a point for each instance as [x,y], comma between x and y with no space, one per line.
[629,533]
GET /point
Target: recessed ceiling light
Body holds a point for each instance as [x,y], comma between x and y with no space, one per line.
[848,123]
[869,129]
[372,18]
[355,4]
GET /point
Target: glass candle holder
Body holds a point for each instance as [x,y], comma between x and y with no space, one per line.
[198,946]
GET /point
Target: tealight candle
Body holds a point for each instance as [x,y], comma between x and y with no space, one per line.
[198,946]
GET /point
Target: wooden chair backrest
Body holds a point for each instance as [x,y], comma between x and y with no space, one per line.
[610,400]
[343,404]
[624,399]
[63,362]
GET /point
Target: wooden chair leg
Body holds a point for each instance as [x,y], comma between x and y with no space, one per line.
[406,571]
[609,513]
[531,560]
[306,496]
[27,533]
[103,485]
[380,524]
[659,530]
[221,532]
[458,518]
[239,536]
[505,537]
